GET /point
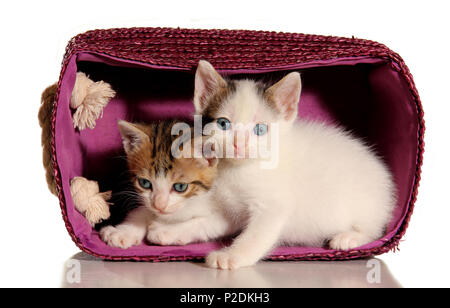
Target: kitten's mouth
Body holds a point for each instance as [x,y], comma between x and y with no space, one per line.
[162,212]
[240,153]
[157,211]
[168,211]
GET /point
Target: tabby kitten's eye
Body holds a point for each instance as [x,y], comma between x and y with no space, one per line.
[223,123]
[260,129]
[144,183]
[180,187]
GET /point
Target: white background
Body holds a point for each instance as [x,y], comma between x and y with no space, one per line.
[33,241]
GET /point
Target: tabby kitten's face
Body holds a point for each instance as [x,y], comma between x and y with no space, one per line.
[245,115]
[162,181]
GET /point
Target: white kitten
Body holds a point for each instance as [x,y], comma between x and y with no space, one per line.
[327,185]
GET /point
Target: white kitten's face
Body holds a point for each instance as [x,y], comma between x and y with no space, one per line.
[245,117]
[244,124]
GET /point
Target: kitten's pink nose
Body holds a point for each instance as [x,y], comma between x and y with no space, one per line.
[160,202]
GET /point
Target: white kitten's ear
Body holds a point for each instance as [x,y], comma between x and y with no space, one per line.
[285,94]
[132,136]
[207,83]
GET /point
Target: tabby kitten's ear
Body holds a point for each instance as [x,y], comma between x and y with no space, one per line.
[132,136]
[207,83]
[285,95]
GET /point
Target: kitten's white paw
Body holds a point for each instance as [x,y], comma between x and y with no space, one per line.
[228,259]
[120,237]
[348,240]
[164,235]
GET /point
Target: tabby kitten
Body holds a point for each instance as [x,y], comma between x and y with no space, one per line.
[170,190]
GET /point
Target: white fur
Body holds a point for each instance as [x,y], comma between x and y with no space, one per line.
[327,186]
[129,233]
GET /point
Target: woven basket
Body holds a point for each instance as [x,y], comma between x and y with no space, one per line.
[359,84]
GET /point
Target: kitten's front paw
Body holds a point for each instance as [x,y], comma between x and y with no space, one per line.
[228,259]
[120,238]
[160,234]
[348,240]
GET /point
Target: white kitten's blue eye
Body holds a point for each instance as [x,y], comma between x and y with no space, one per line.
[144,183]
[223,123]
[260,129]
[180,187]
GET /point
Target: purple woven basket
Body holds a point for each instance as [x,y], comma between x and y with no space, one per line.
[360,84]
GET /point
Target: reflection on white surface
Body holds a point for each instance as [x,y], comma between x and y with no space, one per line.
[83,270]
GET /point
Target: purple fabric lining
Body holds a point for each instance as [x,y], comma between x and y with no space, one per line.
[363,94]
